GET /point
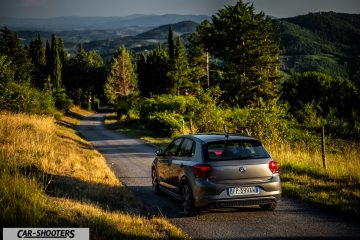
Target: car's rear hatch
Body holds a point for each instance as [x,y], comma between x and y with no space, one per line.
[238,162]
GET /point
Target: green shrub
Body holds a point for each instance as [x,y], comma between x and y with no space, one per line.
[209,115]
[184,105]
[22,98]
[166,123]
[268,121]
[62,101]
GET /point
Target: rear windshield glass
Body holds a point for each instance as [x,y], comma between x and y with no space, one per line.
[235,149]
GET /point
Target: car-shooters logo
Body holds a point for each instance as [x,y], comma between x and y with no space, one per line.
[46,233]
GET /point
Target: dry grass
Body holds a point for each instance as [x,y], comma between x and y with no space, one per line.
[52,177]
[304,177]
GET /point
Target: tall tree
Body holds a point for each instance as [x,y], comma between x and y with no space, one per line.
[56,65]
[48,58]
[198,62]
[122,80]
[246,45]
[96,76]
[11,46]
[76,75]
[180,72]
[6,72]
[152,70]
[37,55]
[171,47]
[61,51]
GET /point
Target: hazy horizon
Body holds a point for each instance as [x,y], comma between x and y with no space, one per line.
[119,8]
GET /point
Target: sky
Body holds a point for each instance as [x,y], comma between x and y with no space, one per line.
[56,8]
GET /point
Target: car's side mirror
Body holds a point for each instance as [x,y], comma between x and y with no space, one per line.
[159,152]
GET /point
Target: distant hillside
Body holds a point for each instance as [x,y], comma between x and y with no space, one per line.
[339,28]
[325,42]
[82,23]
[162,31]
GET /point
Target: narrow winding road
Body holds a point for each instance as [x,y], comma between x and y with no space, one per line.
[131,160]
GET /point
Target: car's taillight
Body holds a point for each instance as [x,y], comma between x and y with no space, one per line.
[273,166]
[202,171]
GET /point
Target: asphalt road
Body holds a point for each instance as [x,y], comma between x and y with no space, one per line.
[131,160]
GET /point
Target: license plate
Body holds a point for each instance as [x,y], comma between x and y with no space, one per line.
[240,191]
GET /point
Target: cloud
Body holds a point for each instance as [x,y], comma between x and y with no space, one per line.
[31,3]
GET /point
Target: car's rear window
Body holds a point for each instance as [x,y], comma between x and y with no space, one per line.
[236,149]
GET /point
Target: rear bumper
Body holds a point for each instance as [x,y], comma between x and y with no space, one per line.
[243,202]
[208,194]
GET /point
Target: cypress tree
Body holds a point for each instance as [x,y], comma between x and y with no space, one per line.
[56,66]
[48,58]
[61,51]
[180,73]
[171,48]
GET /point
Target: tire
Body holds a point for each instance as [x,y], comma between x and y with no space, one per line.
[269,206]
[188,200]
[155,181]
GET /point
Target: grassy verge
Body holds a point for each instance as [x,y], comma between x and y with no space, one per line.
[303,177]
[51,177]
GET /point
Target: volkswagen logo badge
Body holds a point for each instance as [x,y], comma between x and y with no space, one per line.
[242,169]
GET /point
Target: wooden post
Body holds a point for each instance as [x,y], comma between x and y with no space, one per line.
[191,126]
[183,126]
[323,149]
[207,69]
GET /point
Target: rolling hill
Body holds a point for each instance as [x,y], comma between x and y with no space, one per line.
[161,32]
[327,42]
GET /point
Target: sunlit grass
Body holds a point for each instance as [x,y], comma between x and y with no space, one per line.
[51,177]
[303,175]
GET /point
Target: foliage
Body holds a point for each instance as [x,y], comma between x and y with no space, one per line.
[268,121]
[122,79]
[296,40]
[11,46]
[62,101]
[327,64]
[180,72]
[326,92]
[166,123]
[184,105]
[209,115]
[198,62]
[246,44]
[340,28]
[324,42]
[6,72]
[126,105]
[171,47]
[152,70]
[84,77]
[17,97]
[55,64]
[37,55]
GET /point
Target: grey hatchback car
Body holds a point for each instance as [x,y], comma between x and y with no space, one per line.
[217,170]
